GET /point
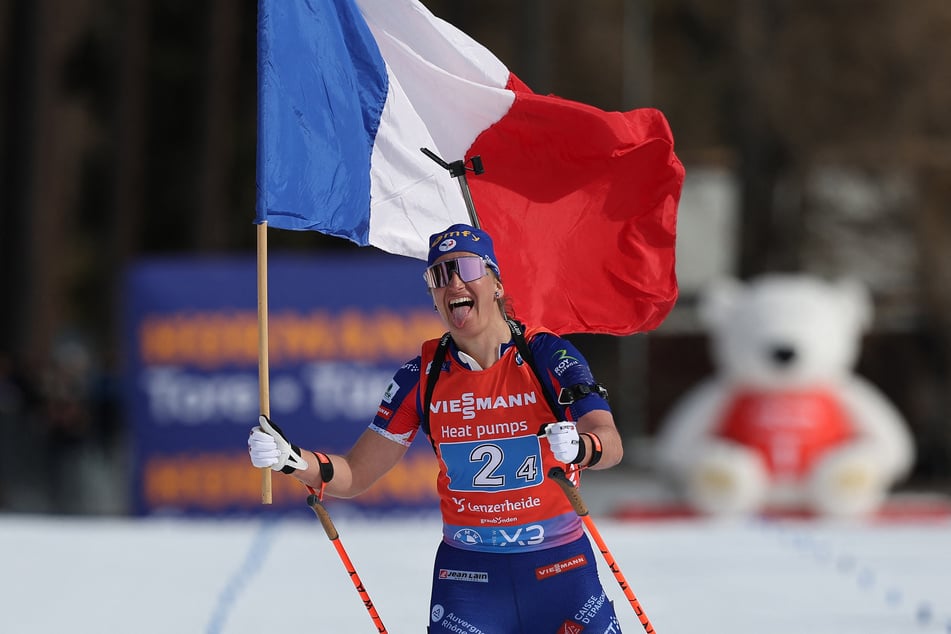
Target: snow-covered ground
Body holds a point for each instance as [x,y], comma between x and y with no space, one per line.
[89,575]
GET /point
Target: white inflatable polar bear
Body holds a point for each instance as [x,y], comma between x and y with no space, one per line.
[785,421]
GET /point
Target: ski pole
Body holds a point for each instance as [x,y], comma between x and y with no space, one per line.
[558,475]
[313,501]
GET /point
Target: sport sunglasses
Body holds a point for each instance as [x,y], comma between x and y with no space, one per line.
[468,267]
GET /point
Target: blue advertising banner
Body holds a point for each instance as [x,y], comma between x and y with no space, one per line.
[339,327]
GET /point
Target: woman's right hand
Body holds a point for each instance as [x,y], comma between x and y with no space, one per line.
[269,448]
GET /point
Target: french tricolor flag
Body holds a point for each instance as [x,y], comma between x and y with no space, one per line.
[581,203]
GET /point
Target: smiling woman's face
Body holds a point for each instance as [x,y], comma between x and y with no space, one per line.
[467,306]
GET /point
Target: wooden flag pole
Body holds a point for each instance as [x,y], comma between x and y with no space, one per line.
[263,386]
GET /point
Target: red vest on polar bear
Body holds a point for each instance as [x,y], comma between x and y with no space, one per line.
[791,430]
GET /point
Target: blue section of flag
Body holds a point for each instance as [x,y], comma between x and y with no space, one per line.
[322,84]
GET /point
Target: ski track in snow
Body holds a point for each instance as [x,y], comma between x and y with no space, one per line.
[234,576]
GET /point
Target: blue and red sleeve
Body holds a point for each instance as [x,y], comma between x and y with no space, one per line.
[562,365]
[398,417]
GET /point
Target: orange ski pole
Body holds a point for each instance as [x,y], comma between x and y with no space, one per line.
[313,501]
[558,475]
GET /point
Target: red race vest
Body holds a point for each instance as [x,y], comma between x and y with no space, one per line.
[492,481]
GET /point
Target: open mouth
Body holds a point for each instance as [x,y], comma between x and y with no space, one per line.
[461,301]
[459,309]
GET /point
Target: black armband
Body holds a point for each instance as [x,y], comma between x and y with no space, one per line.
[569,395]
[326,467]
[595,449]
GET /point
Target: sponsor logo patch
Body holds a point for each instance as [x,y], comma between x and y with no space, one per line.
[570,627]
[384,412]
[563,361]
[561,566]
[463,575]
[468,536]
[391,391]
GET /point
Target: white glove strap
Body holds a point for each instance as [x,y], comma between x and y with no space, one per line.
[290,455]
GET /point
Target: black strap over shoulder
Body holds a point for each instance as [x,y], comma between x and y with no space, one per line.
[518,335]
[435,369]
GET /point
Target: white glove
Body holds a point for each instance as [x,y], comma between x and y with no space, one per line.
[269,448]
[563,440]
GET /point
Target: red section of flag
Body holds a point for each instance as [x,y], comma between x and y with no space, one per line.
[582,205]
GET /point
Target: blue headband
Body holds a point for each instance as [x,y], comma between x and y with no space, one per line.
[463,238]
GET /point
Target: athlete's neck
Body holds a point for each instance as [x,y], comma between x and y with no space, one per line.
[484,346]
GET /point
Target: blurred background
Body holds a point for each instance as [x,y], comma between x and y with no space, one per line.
[815,135]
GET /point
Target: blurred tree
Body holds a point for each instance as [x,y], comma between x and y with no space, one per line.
[214,213]
[48,127]
[128,158]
